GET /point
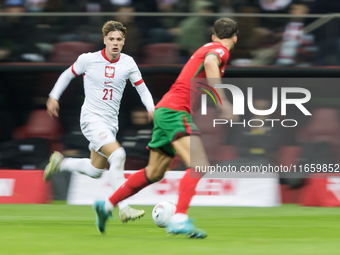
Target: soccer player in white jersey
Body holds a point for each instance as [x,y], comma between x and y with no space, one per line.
[105,74]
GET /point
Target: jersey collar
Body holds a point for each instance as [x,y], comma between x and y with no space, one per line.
[221,45]
[106,58]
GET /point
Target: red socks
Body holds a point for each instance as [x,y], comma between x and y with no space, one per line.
[138,181]
[187,189]
[133,184]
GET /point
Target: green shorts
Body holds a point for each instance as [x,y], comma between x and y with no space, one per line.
[168,126]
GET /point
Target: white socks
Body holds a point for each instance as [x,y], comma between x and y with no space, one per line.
[116,172]
[81,165]
[108,206]
[179,217]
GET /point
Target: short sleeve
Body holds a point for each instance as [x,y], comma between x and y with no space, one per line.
[135,76]
[221,54]
[79,67]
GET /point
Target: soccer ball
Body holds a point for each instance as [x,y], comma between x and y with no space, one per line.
[162,213]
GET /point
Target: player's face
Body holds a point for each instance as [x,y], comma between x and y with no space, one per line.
[114,42]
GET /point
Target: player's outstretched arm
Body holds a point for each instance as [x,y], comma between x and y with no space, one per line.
[212,71]
[146,99]
[63,81]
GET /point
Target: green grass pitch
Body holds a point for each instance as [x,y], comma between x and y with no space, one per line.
[56,229]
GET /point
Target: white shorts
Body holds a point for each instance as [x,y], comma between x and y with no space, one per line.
[98,134]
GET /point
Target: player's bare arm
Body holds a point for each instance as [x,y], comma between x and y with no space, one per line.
[212,71]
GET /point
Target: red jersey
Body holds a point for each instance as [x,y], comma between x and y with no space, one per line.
[178,97]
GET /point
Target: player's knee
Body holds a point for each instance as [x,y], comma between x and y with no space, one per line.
[153,175]
[118,158]
[120,153]
[156,177]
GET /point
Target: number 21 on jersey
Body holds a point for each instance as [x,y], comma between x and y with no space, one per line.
[107,94]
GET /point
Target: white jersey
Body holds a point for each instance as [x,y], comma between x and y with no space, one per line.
[104,84]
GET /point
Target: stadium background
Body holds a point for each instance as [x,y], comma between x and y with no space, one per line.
[280,39]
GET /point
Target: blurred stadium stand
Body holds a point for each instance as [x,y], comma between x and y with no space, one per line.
[68,52]
[161,54]
[39,124]
[323,126]
[295,33]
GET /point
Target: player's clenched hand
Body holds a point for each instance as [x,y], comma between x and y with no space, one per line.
[52,106]
[150,116]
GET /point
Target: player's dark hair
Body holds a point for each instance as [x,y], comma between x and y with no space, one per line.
[112,25]
[225,28]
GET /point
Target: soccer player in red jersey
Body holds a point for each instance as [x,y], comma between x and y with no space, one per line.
[173,131]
